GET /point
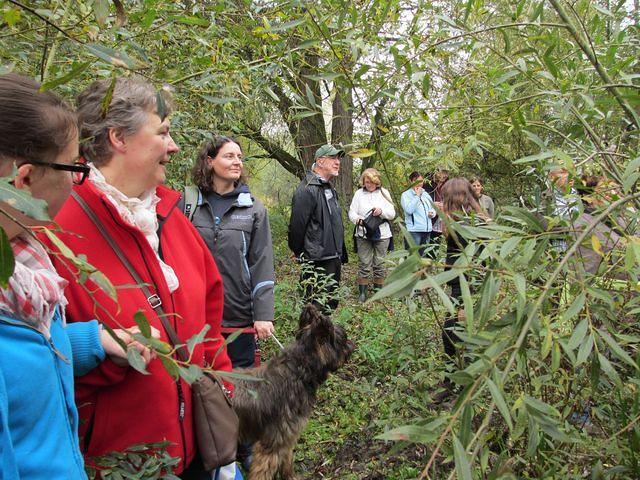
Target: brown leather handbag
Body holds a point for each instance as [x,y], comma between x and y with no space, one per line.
[216,424]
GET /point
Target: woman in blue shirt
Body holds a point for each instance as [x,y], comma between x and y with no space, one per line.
[418,211]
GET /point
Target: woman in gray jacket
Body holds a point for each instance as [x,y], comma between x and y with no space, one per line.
[235,227]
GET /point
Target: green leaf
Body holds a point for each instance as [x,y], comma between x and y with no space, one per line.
[170,366]
[537,12]
[617,349]
[286,25]
[426,84]
[136,361]
[398,288]
[465,425]
[192,20]
[12,16]
[578,334]
[219,100]
[496,394]
[22,201]
[415,433]
[101,11]
[101,280]
[362,153]
[463,468]
[197,338]
[66,78]
[114,57]
[585,349]
[506,76]
[608,369]
[534,437]
[143,324]
[190,374]
[328,76]
[7,262]
[59,244]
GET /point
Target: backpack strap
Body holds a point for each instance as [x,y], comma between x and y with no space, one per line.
[192,199]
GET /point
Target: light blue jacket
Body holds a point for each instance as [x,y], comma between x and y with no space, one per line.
[38,415]
[416,211]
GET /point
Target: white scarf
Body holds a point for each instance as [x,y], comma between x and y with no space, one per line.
[139,213]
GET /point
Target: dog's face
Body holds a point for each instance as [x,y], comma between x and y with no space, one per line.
[329,341]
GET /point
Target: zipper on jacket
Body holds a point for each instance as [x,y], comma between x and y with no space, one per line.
[181,411]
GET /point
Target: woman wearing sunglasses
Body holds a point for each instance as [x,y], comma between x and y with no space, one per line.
[41,352]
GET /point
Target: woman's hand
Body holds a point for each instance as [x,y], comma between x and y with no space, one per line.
[263,329]
[119,356]
[377,212]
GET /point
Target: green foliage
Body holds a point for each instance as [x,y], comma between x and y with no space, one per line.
[549,386]
[139,462]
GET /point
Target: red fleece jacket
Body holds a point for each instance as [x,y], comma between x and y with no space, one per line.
[118,406]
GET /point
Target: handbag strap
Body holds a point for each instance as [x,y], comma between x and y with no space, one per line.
[154,300]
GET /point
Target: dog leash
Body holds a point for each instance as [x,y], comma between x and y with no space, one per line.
[275,339]
[229,330]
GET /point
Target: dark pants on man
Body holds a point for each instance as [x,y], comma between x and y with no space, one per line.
[315,287]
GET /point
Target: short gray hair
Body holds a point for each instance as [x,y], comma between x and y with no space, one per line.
[131,100]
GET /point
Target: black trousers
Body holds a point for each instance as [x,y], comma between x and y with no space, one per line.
[242,351]
[314,292]
[195,471]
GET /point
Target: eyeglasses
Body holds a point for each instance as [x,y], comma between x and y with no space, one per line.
[79,171]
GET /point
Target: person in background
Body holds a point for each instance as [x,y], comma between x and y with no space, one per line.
[561,201]
[485,201]
[439,178]
[128,146]
[459,205]
[371,199]
[316,232]
[41,353]
[418,209]
[235,226]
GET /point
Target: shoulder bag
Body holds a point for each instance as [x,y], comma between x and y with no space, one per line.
[216,424]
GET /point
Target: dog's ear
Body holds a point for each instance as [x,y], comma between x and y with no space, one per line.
[324,330]
[309,316]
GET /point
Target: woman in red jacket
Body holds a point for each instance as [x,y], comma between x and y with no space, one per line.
[128,146]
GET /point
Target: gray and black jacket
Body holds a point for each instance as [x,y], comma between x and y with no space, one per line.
[241,245]
[315,228]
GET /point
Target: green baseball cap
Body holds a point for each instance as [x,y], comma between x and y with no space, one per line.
[328,151]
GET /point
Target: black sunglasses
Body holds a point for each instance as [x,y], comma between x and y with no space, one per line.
[79,171]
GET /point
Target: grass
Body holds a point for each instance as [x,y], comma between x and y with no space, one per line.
[386,384]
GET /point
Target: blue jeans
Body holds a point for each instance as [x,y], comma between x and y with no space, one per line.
[420,238]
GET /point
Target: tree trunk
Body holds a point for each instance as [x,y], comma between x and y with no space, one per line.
[342,132]
[311,131]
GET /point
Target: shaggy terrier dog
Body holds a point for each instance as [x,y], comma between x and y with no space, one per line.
[274,410]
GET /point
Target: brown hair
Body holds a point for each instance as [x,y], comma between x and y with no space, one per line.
[202,173]
[34,125]
[440,177]
[131,101]
[458,198]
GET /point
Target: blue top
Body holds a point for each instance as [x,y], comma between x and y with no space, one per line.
[416,211]
[38,415]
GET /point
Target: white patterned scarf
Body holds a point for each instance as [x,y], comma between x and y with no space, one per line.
[139,213]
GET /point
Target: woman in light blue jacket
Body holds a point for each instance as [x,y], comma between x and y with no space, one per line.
[418,211]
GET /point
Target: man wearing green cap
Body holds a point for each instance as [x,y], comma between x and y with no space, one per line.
[316,233]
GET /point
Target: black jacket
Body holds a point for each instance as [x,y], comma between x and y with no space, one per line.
[316,231]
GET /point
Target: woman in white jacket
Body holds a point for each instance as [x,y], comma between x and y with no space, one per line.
[375,200]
